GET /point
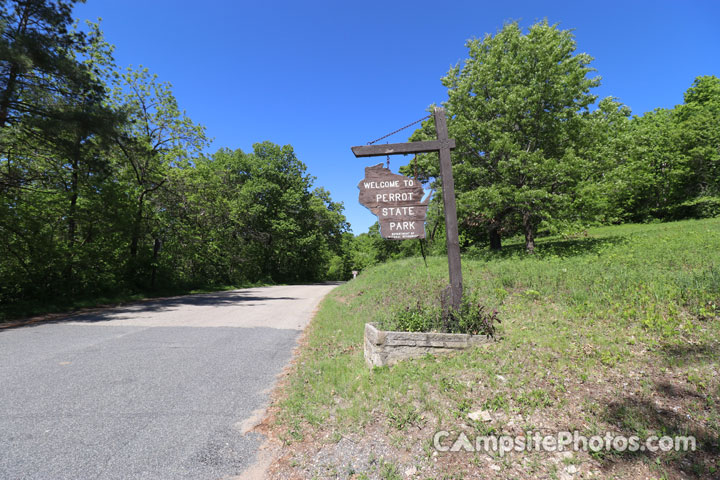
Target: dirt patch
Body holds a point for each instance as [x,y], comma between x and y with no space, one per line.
[258,470]
[250,423]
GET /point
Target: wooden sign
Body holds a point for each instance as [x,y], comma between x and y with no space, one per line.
[397,202]
[442,146]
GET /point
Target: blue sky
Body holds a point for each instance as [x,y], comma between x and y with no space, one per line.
[324,76]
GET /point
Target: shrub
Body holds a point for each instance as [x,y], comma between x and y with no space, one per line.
[473,317]
[701,207]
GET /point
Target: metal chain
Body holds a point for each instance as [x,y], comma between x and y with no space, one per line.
[399,129]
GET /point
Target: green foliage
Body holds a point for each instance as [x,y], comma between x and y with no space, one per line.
[516,108]
[38,53]
[536,154]
[257,217]
[667,165]
[473,317]
[403,415]
[475,320]
[104,191]
[388,470]
[420,318]
[368,249]
[55,174]
[536,398]
[699,207]
[650,180]
[699,119]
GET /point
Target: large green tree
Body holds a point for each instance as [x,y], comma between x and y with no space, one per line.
[36,46]
[517,108]
[55,174]
[604,145]
[699,120]
[157,138]
[648,182]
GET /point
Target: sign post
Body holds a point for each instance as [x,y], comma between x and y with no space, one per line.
[442,145]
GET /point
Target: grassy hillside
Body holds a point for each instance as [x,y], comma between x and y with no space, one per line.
[615,330]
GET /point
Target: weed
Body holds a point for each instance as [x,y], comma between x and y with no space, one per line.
[473,317]
[402,415]
[534,399]
[464,406]
[388,470]
[496,402]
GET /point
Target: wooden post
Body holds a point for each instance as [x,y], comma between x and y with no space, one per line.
[451,223]
[442,145]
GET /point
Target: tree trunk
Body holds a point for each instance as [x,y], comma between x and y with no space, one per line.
[7,95]
[495,239]
[156,251]
[529,228]
[14,72]
[72,222]
[135,240]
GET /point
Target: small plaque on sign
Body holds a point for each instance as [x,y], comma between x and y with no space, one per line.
[396,200]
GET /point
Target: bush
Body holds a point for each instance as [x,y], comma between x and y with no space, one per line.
[475,320]
[701,207]
[417,318]
[473,317]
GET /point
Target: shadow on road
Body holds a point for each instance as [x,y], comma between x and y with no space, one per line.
[103,313]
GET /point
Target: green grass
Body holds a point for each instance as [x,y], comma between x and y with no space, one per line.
[582,314]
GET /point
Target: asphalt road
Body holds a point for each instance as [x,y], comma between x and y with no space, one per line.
[155,390]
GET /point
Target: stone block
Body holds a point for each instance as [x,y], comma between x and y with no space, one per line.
[387,348]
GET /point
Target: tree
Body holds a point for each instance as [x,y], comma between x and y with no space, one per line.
[667,161]
[57,178]
[78,134]
[605,144]
[299,228]
[239,217]
[516,108]
[648,183]
[699,122]
[35,51]
[157,137]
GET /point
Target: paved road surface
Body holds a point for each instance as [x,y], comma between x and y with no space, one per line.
[155,390]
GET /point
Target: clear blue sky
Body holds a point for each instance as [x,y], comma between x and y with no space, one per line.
[324,76]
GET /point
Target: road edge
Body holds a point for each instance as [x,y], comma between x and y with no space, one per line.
[270,451]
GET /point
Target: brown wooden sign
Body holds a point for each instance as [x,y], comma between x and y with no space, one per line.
[396,200]
[442,146]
